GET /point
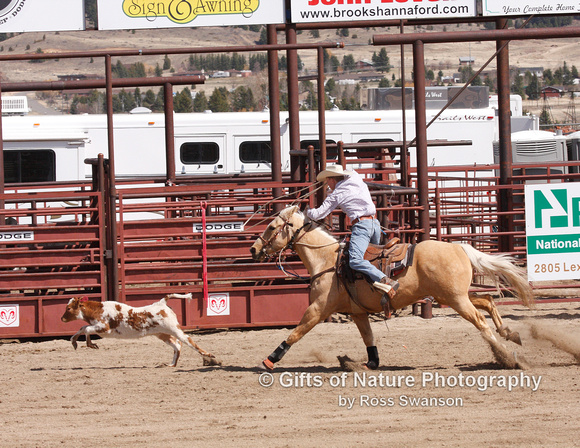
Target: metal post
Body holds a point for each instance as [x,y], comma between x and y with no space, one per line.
[2,180]
[274,92]
[112,250]
[321,109]
[505,146]
[404,163]
[311,174]
[169,134]
[404,159]
[293,106]
[99,185]
[341,159]
[421,136]
[311,164]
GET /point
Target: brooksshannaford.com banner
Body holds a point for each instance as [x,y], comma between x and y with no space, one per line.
[352,10]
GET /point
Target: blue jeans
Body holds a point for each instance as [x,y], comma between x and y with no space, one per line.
[364,232]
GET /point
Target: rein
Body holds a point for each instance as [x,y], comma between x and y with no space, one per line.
[321,273]
[290,243]
[294,240]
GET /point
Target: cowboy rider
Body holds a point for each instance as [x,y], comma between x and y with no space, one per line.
[350,193]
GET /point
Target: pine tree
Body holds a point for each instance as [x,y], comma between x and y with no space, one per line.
[182,103]
[517,87]
[137,95]
[243,99]
[166,63]
[545,116]
[149,99]
[218,101]
[348,63]
[200,103]
[533,88]
[381,60]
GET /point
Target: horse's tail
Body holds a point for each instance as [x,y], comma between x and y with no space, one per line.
[502,270]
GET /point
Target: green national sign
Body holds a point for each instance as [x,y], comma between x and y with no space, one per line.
[553,231]
[550,244]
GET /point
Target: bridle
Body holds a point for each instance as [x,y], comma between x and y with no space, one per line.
[289,244]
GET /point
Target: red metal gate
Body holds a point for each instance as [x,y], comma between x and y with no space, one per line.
[54,253]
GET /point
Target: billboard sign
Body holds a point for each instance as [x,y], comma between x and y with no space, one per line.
[353,10]
[529,7]
[138,14]
[19,16]
[553,231]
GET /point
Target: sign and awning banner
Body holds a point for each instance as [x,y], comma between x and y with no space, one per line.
[138,14]
[529,7]
[356,10]
[553,231]
[18,16]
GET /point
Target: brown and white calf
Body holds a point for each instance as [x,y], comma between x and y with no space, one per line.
[119,320]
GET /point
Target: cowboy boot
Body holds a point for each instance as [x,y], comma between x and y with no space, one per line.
[387,286]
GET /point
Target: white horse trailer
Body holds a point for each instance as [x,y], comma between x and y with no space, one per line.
[53,148]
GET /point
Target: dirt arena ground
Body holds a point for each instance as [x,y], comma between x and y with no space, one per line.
[117,396]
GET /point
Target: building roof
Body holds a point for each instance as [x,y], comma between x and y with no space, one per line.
[554,88]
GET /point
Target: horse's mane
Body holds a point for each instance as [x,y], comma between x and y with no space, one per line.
[317,226]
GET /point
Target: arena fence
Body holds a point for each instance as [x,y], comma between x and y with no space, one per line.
[56,244]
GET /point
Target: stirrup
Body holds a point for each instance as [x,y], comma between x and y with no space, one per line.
[394,287]
[392,284]
[386,304]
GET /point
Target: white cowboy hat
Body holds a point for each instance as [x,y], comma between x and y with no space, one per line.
[332,171]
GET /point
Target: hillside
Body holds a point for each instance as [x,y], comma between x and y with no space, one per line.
[550,53]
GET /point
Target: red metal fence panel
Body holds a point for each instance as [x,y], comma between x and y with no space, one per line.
[59,250]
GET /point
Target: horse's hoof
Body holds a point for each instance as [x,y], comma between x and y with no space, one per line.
[371,365]
[267,365]
[514,337]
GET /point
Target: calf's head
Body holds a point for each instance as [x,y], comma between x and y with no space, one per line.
[73,309]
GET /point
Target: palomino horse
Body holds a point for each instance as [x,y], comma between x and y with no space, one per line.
[441,270]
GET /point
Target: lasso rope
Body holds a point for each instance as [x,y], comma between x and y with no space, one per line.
[300,198]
